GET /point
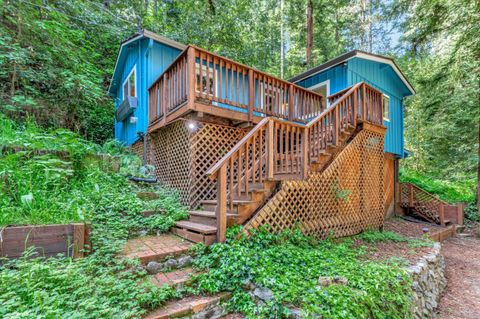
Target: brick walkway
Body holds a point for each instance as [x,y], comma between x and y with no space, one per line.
[187,306]
[154,248]
[172,278]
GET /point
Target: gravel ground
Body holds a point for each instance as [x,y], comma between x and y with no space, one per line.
[461,299]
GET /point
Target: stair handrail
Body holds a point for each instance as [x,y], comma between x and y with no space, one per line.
[440,209]
[213,171]
[425,192]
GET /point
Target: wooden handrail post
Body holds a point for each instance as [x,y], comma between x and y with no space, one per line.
[305,155]
[221,211]
[251,94]
[269,153]
[291,102]
[354,121]
[460,213]
[191,77]
[410,195]
[441,214]
[336,126]
[364,89]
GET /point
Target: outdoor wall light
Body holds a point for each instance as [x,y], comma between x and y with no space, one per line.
[192,126]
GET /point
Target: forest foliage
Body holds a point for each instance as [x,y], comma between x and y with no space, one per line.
[57,58]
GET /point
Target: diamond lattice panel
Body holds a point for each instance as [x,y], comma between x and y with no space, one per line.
[209,144]
[344,199]
[171,156]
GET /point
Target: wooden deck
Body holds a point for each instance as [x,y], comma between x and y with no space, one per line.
[203,82]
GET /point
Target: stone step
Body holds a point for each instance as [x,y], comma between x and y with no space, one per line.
[155,248]
[147,195]
[195,307]
[177,278]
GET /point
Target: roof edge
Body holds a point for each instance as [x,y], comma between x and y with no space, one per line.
[349,55]
[139,35]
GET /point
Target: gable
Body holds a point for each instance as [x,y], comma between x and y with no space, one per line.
[138,42]
[380,75]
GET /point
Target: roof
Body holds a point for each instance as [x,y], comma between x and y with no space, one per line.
[352,54]
[137,36]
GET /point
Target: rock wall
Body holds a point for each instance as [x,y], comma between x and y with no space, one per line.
[428,282]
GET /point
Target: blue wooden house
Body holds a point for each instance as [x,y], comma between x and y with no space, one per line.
[245,147]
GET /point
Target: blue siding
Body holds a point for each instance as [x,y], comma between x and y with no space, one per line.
[383,77]
[150,59]
[378,75]
[336,75]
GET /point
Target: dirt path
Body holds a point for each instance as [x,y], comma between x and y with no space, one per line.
[461,300]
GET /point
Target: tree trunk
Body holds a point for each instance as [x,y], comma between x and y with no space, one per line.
[211,5]
[308,53]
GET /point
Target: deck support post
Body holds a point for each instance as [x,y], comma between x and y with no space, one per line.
[221,211]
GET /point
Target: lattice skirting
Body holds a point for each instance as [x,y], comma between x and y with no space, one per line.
[182,156]
[344,199]
[137,148]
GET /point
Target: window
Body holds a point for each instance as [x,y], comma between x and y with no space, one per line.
[323,89]
[386,107]
[129,87]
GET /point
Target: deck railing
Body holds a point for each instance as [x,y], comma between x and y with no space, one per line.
[200,76]
[276,149]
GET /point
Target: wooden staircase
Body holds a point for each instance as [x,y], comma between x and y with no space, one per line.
[276,150]
[429,207]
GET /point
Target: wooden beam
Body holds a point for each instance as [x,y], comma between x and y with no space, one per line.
[221,212]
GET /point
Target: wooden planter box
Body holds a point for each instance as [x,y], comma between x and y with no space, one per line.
[48,240]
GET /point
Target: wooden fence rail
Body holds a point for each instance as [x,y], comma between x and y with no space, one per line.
[276,149]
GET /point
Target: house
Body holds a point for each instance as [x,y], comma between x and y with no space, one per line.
[244,147]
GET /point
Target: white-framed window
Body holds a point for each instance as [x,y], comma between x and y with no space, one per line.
[322,88]
[130,84]
[386,107]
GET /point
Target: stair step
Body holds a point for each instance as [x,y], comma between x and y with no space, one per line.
[197,227]
[195,237]
[147,195]
[207,213]
[188,306]
[235,202]
[155,248]
[177,278]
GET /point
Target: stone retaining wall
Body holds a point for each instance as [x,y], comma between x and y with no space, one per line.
[428,282]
